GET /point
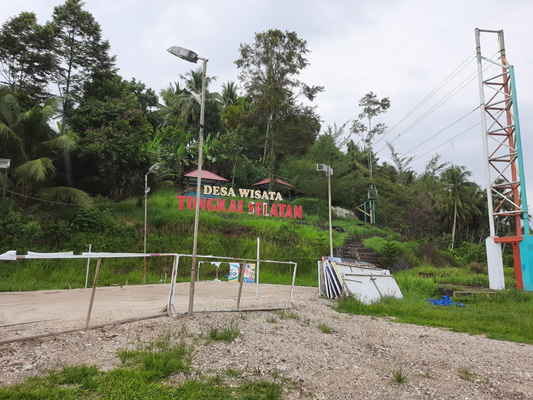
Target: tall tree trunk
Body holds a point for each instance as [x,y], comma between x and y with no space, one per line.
[234,169]
[272,169]
[454,221]
[266,139]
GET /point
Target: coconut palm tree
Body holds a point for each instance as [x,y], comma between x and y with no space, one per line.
[462,197]
[179,101]
[229,94]
[235,112]
[31,144]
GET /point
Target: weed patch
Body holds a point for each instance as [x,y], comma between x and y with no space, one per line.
[399,376]
[227,333]
[464,373]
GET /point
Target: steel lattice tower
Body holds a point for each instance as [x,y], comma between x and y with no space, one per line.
[504,170]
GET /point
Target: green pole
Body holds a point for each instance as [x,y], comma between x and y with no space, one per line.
[523,191]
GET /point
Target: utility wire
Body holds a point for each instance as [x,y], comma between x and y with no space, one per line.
[72,204]
[461,66]
[289,179]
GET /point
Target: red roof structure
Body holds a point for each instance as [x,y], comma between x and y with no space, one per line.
[190,180]
[206,175]
[278,185]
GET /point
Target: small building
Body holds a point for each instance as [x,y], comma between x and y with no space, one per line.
[279,186]
[188,182]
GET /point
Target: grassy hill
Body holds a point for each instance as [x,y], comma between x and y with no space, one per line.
[120,228]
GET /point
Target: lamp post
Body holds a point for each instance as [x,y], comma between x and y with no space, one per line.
[329,171]
[4,163]
[154,167]
[192,57]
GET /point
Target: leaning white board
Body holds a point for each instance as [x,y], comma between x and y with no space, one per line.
[369,289]
[350,269]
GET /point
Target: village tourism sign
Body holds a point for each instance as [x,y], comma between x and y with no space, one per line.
[218,204]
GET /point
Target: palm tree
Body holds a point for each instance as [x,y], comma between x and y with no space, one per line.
[171,103]
[31,144]
[229,94]
[235,112]
[461,197]
[179,101]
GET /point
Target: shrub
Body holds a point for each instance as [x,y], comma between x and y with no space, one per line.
[478,268]
[389,255]
[472,252]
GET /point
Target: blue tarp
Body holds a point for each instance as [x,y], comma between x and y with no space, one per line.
[445,301]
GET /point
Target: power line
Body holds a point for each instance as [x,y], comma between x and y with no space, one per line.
[461,66]
[289,179]
[72,204]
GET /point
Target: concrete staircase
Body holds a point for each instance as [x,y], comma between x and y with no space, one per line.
[355,250]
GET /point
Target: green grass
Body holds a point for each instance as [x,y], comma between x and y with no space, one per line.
[120,229]
[282,314]
[464,373]
[325,328]
[464,276]
[145,373]
[227,333]
[399,377]
[504,315]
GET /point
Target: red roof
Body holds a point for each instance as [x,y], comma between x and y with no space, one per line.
[205,175]
[267,180]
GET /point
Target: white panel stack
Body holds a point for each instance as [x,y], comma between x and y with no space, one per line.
[362,280]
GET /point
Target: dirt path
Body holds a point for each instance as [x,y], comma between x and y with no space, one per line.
[355,361]
[119,302]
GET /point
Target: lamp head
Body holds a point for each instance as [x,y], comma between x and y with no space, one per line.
[155,167]
[185,54]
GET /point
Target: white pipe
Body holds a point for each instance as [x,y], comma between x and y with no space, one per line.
[88,264]
[257,272]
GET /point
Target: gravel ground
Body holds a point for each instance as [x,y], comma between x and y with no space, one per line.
[355,361]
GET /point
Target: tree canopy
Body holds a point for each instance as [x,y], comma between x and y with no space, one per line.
[75,129]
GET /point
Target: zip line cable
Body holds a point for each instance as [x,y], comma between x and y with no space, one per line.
[454,91]
[432,109]
[439,132]
[449,140]
[461,66]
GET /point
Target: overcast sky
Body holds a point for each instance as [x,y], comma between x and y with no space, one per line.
[397,49]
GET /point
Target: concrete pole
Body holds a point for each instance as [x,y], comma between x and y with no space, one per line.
[145,215]
[329,200]
[257,272]
[198,187]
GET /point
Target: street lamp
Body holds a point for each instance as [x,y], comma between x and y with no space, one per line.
[192,57]
[153,168]
[4,163]
[329,171]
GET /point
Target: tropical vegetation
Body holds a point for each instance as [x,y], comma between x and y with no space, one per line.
[80,135]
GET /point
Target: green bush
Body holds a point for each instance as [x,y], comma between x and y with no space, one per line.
[472,252]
